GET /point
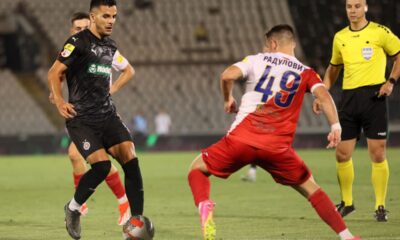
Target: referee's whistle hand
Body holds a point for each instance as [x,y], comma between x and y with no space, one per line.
[386,89]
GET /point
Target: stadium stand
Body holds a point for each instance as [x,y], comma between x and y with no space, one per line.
[19,114]
[174,71]
[180,74]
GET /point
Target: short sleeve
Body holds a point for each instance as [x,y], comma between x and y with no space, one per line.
[390,42]
[313,80]
[70,51]
[336,58]
[119,62]
[245,65]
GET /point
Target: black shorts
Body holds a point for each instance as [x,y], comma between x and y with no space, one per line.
[361,109]
[92,136]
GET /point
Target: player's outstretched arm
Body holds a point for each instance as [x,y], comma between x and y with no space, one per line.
[329,108]
[387,88]
[228,77]
[331,75]
[126,74]
[55,77]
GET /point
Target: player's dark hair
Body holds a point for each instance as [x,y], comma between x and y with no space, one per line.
[98,3]
[281,29]
[79,16]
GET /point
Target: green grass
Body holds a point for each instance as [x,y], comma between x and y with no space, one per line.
[34,189]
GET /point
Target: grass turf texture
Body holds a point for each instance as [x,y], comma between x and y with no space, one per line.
[34,189]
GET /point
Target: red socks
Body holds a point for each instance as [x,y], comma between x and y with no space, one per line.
[77,178]
[115,184]
[200,186]
[327,210]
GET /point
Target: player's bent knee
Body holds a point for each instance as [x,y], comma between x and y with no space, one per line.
[123,152]
[378,157]
[75,158]
[74,155]
[198,163]
[102,168]
[307,188]
[342,156]
[377,153]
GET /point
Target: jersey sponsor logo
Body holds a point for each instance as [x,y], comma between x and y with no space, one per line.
[99,69]
[68,49]
[367,52]
[86,145]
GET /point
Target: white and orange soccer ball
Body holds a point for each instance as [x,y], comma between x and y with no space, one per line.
[138,228]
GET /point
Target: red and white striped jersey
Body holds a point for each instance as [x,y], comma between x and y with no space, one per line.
[270,108]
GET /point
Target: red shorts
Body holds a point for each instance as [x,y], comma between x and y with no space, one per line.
[228,156]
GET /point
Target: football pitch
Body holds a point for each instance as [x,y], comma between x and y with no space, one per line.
[34,189]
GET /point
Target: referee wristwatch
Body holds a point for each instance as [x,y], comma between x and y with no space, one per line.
[392,81]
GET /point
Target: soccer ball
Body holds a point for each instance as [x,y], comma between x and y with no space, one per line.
[138,228]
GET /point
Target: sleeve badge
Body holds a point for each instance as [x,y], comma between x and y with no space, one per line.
[68,49]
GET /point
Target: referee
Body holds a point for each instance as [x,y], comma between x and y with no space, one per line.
[361,49]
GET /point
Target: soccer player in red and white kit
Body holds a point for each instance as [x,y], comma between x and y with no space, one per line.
[264,129]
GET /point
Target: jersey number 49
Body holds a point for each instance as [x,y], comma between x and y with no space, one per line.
[284,97]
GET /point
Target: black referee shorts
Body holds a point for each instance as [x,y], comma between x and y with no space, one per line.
[92,136]
[361,109]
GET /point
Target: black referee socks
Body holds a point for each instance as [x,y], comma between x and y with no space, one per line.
[90,180]
[134,186]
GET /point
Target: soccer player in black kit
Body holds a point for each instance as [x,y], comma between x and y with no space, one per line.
[91,117]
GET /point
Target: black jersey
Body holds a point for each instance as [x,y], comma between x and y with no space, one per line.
[89,61]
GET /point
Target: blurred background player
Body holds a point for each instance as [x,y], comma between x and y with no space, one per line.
[162,122]
[251,175]
[361,50]
[139,128]
[81,21]
[264,129]
[92,120]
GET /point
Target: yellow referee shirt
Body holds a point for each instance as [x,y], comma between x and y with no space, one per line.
[363,54]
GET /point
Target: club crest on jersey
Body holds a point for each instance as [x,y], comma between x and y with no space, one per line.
[68,49]
[99,69]
[86,145]
[367,52]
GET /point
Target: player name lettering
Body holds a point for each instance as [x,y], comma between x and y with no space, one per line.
[287,62]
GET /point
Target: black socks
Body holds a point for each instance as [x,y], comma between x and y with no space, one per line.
[90,180]
[134,186]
